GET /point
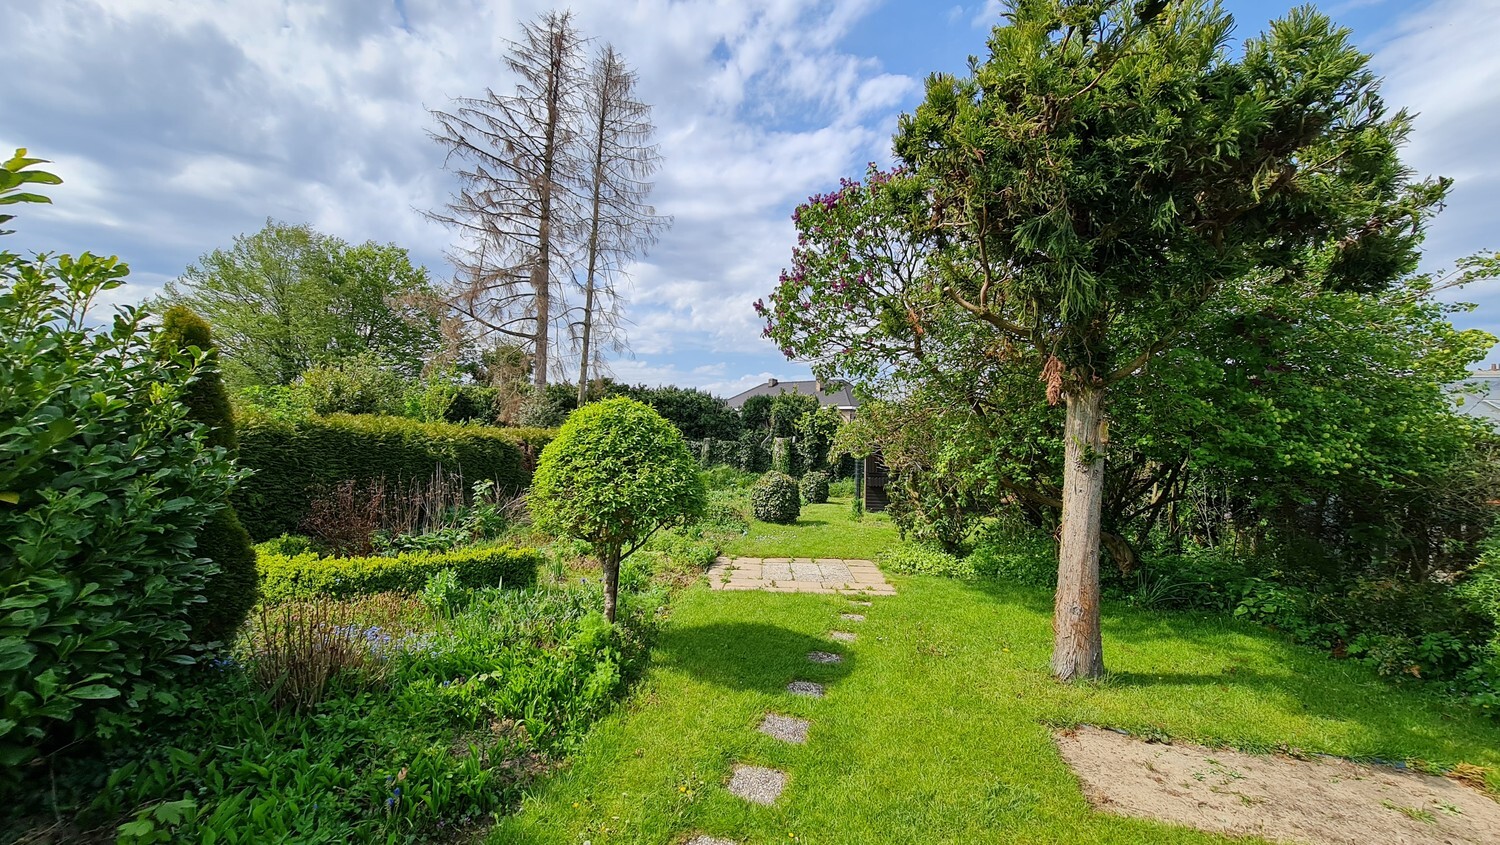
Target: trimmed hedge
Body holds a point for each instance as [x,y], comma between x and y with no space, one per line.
[295,460]
[307,576]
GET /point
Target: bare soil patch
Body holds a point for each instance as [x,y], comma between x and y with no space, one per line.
[1278,798]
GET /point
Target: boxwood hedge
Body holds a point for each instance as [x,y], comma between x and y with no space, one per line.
[294,460]
[306,576]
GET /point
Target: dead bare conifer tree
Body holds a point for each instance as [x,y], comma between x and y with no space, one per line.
[622,158]
[518,168]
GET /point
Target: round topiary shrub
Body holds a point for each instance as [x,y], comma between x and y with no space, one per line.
[615,474]
[775,498]
[815,488]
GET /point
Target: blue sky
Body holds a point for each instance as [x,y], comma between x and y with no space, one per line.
[178,125]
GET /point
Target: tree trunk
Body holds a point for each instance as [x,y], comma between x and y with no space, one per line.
[1078,650]
[541,274]
[588,291]
[611,566]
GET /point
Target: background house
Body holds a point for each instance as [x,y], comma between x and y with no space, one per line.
[1479,395]
[834,395]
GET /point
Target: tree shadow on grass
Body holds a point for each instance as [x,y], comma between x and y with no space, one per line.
[801,521]
[749,655]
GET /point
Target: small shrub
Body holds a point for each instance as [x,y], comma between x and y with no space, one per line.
[359,385]
[308,576]
[913,559]
[726,512]
[617,473]
[344,520]
[775,498]
[297,649]
[1015,553]
[857,509]
[815,488]
[442,592]
[105,486]
[286,545]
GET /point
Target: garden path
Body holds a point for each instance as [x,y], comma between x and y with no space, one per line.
[799,575]
[758,784]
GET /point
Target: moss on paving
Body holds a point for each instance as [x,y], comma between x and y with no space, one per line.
[937,726]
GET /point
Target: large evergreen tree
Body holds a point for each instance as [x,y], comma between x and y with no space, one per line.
[1073,202]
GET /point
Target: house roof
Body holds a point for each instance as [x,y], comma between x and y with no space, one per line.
[1479,395]
[842,397]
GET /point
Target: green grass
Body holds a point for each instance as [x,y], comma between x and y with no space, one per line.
[824,530]
[937,726]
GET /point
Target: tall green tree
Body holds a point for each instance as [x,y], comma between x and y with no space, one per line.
[289,298]
[1084,191]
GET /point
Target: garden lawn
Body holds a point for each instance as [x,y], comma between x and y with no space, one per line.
[937,725]
[825,530]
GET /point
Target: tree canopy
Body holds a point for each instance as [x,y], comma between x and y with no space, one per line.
[288,298]
[1091,202]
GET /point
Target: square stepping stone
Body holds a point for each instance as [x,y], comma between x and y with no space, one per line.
[757,784]
[852,617]
[785,728]
[807,688]
[824,657]
[842,636]
[710,840]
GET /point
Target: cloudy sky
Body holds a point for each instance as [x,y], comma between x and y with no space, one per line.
[178,125]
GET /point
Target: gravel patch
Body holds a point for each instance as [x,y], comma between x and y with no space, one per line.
[842,636]
[805,688]
[824,657]
[1324,801]
[785,728]
[710,840]
[757,784]
[852,617]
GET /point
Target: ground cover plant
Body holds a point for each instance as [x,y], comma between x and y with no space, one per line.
[931,734]
[389,718]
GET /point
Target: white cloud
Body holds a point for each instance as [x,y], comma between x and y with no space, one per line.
[178,125]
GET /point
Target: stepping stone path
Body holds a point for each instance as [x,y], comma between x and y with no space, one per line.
[807,688]
[862,603]
[785,728]
[757,784]
[799,575]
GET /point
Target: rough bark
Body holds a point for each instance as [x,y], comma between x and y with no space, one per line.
[611,567]
[1078,650]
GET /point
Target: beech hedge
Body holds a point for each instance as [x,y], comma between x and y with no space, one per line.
[295,460]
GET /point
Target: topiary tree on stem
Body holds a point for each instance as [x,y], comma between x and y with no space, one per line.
[229,594]
[616,473]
